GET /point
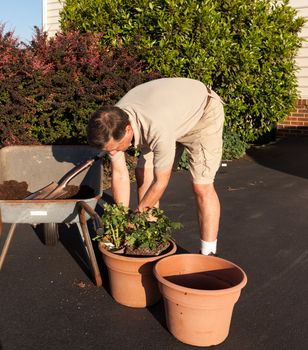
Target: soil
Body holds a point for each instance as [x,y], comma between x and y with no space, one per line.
[13,190]
[147,252]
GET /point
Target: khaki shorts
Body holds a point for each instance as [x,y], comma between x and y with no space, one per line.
[203,144]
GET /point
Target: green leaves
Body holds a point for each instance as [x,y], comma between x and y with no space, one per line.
[244,50]
[126,229]
[115,223]
[234,147]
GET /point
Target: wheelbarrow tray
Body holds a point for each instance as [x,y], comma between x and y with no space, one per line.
[39,166]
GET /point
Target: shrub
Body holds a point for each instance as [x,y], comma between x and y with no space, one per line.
[234,147]
[244,49]
[15,73]
[184,162]
[50,87]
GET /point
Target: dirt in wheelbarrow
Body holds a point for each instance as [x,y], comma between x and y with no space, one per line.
[12,190]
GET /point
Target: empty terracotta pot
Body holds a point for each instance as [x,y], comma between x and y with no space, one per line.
[132,281]
[199,293]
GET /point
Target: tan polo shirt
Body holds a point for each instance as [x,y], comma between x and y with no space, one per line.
[161,112]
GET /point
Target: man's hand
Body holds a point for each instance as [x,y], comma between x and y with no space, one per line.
[156,190]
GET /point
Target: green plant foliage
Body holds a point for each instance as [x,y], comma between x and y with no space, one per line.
[184,162]
[116,223]
[49,88]
[244,50]
[127,229]
[234,147]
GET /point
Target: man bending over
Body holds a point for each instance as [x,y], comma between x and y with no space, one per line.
[162,118]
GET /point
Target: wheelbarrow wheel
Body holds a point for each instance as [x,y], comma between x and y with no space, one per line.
[51,234]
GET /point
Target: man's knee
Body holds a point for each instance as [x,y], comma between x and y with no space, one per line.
[203,190]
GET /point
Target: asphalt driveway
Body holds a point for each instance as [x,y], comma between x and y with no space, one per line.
[48,301]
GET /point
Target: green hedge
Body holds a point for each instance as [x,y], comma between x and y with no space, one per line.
[244,49]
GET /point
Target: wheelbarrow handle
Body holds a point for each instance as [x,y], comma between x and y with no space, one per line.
[56,190]
[78,169]
[97,221]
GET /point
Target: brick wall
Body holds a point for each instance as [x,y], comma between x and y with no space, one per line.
[297,122]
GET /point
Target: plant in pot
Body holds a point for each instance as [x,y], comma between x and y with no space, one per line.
[131,244]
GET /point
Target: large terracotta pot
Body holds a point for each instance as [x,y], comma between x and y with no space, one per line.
[199,294]
[132,282]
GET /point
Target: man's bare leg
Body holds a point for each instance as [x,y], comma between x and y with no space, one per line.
[208,206]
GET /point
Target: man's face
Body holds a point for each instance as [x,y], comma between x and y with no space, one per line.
[113,146]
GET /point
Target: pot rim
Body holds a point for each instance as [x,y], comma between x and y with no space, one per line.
[172,285]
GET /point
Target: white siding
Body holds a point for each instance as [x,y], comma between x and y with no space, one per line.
[302,58]
[51,9]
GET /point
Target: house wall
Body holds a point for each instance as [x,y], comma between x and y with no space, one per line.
[297,121]
[51,9]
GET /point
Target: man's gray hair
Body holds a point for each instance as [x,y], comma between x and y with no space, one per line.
[106,123]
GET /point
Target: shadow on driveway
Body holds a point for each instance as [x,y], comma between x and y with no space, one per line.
[288,155]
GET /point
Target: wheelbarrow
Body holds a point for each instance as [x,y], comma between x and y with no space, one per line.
[41,165]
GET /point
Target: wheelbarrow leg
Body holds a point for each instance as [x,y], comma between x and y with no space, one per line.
[7,244]
[88,243]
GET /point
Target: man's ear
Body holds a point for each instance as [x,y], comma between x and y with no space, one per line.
[128,128]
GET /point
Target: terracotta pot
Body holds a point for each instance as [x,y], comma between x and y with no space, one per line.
[199,294]
[132,282]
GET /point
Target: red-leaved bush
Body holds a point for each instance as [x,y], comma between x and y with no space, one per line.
[49,88]
[14,77]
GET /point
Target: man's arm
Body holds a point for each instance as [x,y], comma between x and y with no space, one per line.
[156,190]
[120,182]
